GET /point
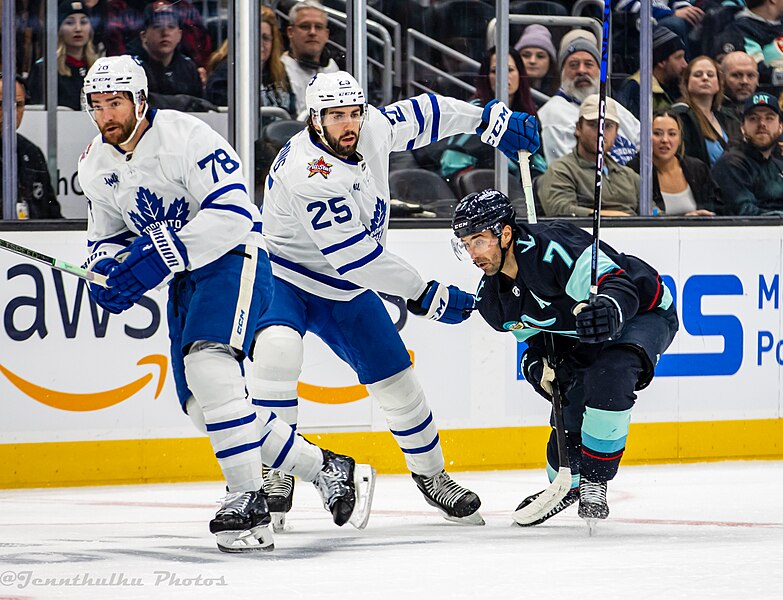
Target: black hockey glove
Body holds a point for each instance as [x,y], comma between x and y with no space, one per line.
[599,320]
[538,372]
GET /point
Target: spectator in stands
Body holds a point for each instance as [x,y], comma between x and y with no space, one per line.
[99,11]
[467,151]
[668,64]
[579,78]
[35,196]
[75,55]
[707,128]
[682,185]
[540,59]
[756,29]
[173,78]
[679,16]
[567,188]
[741,79]
[275,89]
[750,178]
[125,19]
[308,33]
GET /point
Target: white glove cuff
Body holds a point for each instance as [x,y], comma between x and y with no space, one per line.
[499,115]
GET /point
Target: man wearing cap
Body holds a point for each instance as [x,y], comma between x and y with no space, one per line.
[741,79]
[579,62]
[668,64]
[751,181]
[174,81]
[567,188]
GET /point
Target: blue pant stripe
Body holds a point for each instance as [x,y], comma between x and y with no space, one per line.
[275,403]
[284,452]
[232,423]
[422,449]
[237,449]
[605,446]
[413,430]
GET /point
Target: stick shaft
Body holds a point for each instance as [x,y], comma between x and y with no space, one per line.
[55,263]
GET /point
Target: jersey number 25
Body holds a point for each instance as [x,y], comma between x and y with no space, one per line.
[320,220]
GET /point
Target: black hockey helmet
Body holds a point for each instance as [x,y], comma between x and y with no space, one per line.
[479,211]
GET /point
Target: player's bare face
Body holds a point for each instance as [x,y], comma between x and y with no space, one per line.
[484,251]
[341,128]
[114,115]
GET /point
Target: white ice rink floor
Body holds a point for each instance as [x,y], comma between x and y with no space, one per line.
[677,531]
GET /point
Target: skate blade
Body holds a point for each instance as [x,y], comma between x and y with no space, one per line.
[251,540]
[473,520]
[591,523]
[364,483]
[279,524]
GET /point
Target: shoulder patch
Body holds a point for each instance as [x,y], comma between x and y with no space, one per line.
[319,166]
[86,151]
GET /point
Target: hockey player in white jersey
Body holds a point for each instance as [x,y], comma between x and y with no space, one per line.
[168,204]
[326,210]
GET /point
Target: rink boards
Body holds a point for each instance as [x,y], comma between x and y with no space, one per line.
[87,399]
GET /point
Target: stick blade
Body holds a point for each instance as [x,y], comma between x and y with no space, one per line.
[546,501]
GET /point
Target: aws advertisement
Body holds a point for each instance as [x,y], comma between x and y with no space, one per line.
[69,371]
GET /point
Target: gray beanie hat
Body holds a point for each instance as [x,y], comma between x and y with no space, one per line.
[580,44]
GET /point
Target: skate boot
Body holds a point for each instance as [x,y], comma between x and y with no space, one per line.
[242,523]
[592,502]
[279,488]
[346,489]
[571,497]
[457,503]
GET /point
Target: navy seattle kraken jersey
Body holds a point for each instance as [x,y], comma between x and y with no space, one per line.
[554,276]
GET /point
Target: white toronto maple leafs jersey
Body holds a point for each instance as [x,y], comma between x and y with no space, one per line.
[183,174]
[326,218]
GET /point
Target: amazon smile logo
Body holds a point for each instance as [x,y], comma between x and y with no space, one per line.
[83,402]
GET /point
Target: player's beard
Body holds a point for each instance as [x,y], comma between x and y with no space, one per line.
[118,136]
[334,143]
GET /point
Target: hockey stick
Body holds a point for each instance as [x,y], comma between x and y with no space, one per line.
[560,486]
[55,263]
[599,161]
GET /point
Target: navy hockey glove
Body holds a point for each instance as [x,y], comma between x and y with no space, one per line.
[108,298]
[445,304]
[508,131]
[150,260]
[599,320]
[538,372]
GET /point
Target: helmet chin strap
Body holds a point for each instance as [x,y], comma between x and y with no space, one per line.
[503,252]
[139,119]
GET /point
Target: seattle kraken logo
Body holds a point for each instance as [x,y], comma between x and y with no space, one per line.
[151,211]
[378,220]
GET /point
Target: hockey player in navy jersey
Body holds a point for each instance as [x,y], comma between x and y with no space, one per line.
[168,205]
[326,211]
[537,279]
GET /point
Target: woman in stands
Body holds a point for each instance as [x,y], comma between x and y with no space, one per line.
[275,88]
[682,185]
[707,129]
[75,55]
[540,59]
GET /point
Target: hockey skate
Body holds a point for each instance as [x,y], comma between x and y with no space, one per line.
[279,488]
[346,489]
[455,502]
[571,497]
[592,502]
[242,523]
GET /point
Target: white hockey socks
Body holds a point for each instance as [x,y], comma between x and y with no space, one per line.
[402,400]
[275,371]
[215,378]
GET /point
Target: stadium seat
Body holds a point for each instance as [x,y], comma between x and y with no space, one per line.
[476,180]
[277,133]
[422,187]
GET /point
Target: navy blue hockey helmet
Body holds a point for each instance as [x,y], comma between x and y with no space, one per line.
[479,211]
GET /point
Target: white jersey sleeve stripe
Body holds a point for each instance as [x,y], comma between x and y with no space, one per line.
[435,118]
[121,239]
[339,284]
[419,120]
[345,243]
[209,201]
[357,264]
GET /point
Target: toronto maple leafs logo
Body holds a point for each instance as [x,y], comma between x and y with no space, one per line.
[319,166]
[151,211]
[378,219]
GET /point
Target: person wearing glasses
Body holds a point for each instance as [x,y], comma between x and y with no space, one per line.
[308,33]
[35,196]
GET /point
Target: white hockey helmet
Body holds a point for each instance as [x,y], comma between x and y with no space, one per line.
[113,74]
[330,90]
